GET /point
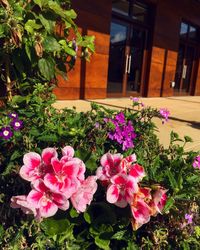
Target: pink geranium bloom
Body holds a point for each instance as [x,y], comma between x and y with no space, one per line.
[140,209]
[121,190]
[36,166]
[68,151]
[137,172]
[127,162]
[64,179]
[20,201]
[159,201]
[47,202]
[196,163]
[84,194]
[110,166]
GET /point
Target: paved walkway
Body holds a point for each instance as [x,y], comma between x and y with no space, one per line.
[184,114]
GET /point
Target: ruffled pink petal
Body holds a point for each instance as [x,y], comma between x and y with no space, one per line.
[48,154]
[28,173]
[120,179]
[68,151]
[57,165]
[47,208]
[71,168]
[60,200]
[40,186]
[112,194]
[32,160]
[131,158]
[20,201]
[121,202]
[34,198]
[141,213]
[110,160]
[53,183]
[81,171]
[137,172]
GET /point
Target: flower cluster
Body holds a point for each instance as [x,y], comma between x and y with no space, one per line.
[121,176]
[123,131]
[15,124]
[136,101]
[196,163]
[54,181]
[165,114]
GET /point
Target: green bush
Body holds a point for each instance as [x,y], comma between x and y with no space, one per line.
[102,225]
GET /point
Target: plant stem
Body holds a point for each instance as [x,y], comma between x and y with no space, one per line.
[8,80]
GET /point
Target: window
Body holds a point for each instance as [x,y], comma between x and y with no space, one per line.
[190,32]
[135,10]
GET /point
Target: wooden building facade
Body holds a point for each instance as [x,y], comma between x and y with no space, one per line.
[143,48]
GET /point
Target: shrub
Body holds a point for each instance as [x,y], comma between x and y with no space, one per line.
[147,196]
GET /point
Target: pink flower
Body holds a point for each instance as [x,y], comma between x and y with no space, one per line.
[137,172]
[164,113]
[159,201]
[127,162]
[20,201]
[140,208]
[189,218]
[47,202]
[196,163]
[64,179]
[84,194]
[35,166]
[68,151]
[110,166]
[121,190]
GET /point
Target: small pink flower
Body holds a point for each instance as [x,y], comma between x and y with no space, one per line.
[127,162]
[140,208]
[20,201]
[84,194]
[47,202]
[64,179]
[164,113]
[189,218]
[121,190]
[68,152]
[159,201]
[110,166]
[196,163]
[35,166]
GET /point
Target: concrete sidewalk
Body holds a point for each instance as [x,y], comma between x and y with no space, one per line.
[184,114]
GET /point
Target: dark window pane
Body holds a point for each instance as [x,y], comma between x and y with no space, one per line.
[140,12]
[121,7]
[184,30]
[193,33]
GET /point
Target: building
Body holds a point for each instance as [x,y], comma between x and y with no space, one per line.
[143,48]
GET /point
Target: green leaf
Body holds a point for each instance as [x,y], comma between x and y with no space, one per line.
[31,25]
[47,68]
[15,155]
[188,139]
[48,24]
[102,243]
[41,3]
[170,202]
[2,31]
[54,227]
[1,232]
[70,13]
[66,48]
[119,235]
[73,213]
[48,138]
[17,99]
[87,217]
[50,44]
[172,180]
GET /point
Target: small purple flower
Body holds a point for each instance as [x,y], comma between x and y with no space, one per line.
[13,115]
[189,218]
[164,113]
[17,124]
[196,163]
[120,118]
[6,133]
[135,99]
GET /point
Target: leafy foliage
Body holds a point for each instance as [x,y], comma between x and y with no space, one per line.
[102,226]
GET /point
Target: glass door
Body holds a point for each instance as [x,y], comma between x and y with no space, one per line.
[118,59]
[184,69]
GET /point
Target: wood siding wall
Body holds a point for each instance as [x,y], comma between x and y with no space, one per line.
[89,79]
[169,15]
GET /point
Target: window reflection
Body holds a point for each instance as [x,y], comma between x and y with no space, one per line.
[184,30]
[118,33]
[140,12]
[121,7]
[192,32]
